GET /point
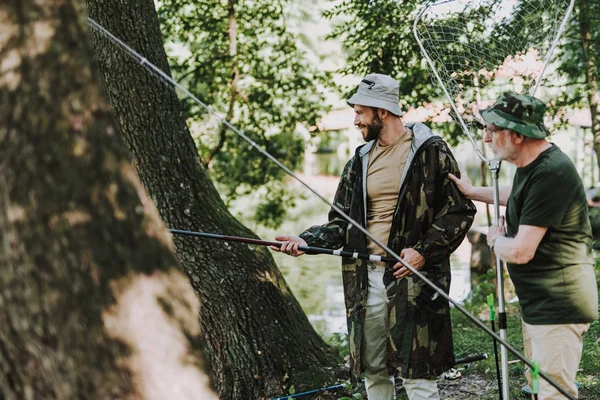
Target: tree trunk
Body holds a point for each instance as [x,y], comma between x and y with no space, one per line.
[94,303]
[258,339]
[590,63]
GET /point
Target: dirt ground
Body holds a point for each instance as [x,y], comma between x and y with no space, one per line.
[469,386]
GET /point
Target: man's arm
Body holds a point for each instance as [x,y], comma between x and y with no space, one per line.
[332,235]
[520,249]
[289,245]
[480,193]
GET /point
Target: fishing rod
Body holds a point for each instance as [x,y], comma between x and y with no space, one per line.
[306,249]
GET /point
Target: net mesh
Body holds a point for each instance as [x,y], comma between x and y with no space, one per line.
[481,48]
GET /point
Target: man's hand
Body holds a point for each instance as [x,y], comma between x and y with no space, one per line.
[289,245]
[463,184]
[413,258]
[496,231]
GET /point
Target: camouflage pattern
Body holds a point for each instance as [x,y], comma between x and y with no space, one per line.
[432,216]
[519,112]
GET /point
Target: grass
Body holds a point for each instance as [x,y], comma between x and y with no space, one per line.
[468,339]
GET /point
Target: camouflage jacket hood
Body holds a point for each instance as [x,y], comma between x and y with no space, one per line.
[431,216]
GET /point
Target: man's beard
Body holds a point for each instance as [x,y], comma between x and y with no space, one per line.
[373,129]
[507,153]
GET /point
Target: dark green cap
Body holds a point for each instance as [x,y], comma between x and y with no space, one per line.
[521,113]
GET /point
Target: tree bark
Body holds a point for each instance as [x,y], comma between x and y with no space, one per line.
[93,302]
[590,63]
[258,339]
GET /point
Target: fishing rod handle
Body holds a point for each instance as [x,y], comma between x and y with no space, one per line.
[471,358]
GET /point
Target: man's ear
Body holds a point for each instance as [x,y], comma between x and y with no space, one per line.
[382,113]
[516,137]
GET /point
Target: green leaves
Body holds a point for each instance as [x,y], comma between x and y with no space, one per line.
[378,37]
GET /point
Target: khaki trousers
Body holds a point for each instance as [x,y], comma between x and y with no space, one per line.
[379,384]
[558,350]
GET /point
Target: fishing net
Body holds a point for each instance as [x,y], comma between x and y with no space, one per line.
[478,49]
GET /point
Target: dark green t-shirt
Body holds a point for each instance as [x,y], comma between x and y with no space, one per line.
[558,286]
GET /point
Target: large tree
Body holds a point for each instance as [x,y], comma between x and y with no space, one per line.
[257,338]
[94,303]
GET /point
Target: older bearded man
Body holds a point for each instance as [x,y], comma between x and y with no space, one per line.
[547,240]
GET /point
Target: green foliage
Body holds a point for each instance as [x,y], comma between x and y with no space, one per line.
[570,74]
[356,395]
[339,341]
[486,284]
[378,38]
[272,211]
[469,339]
[589,374]
[260,81]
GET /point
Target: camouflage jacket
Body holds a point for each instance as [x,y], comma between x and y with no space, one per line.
[431,216]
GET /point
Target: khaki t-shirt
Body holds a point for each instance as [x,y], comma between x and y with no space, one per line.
[386,166]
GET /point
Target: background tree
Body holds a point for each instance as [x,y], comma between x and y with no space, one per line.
[94,304]
[378,36]
[588,13]
[578,71]
[238,57]
[256,336]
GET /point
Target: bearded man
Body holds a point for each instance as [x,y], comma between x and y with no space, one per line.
[547,240]
[397,187]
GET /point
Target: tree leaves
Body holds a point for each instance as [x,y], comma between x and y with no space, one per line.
[276,89]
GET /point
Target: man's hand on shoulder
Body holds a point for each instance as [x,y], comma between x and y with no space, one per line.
[463,184]
[289,245]
[411,257]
